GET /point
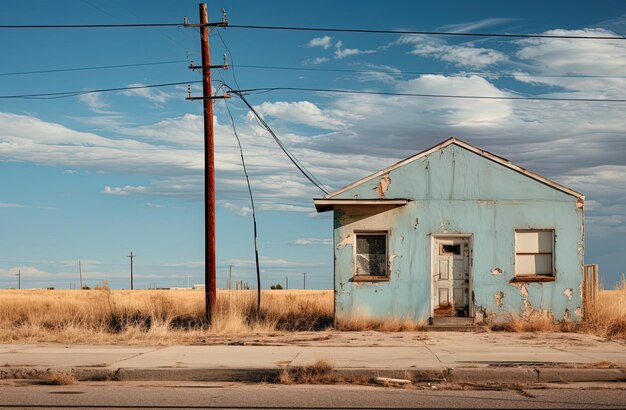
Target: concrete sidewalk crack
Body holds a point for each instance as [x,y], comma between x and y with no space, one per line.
[297,354]
[433,353]
[136,355]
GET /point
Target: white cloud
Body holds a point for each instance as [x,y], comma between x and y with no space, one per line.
[154,206]
[31,271]
[28,138]
[315,61]
[128,189]
[379,73]
[475,25]
[341,52]
[95,103]
[346,52]
[70,172]
[462,55]
[267,262]
[154,95]
[10,205]
[301,112]
[185,130]
[234,208]
[576,57]
[323,42]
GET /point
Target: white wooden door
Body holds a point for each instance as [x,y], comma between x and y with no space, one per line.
[451,277]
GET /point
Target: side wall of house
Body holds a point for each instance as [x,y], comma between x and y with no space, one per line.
[455,191]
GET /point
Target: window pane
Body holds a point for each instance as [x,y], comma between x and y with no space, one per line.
[450,250]
[533,264]
[374,265]
[371,255]
[533,242]
[371,244]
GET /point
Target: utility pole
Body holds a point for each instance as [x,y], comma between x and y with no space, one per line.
[19,279]
[131,256]
[80,272]
[230,276]
[286,282]
[304,280]
[210,290]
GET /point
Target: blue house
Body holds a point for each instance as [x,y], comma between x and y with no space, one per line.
[455,231]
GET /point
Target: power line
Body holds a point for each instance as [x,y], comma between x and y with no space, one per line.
[448,74]
[55,26]
[245,171]
[429,33]
[330,70]
[282,146]
[65,94]
[479,97]
[326,29]
[102,67]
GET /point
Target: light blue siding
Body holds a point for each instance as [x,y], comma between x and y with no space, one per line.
[456,191]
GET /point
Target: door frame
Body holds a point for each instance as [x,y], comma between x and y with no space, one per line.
[433,260]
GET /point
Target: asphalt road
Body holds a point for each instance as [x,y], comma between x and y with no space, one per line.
[20,394]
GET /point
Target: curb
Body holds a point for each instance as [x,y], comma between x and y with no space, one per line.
[485,375]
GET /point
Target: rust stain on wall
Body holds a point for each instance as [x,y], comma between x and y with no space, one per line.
[498,296]
[383,185]
[345,242]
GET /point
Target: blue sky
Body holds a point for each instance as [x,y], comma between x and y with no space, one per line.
[98,176]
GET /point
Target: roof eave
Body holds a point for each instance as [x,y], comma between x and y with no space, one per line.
[327,204]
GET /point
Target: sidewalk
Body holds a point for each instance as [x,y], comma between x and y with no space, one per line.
[460,357]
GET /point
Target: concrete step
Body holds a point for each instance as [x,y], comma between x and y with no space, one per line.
[451,321]
[455,328]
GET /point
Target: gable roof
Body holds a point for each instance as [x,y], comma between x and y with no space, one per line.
[485,154]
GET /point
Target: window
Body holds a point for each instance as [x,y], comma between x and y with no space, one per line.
[371,254]
[450,249]
[534,252]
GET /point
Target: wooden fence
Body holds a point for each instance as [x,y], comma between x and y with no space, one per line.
[590,286]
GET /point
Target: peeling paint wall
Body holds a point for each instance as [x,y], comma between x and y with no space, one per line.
[457,191]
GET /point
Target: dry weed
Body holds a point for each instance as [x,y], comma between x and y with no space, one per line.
[604,364]
[60,378]
[361,321]
[320,372]
[607,316]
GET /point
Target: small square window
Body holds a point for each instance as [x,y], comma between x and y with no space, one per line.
[534,252]
[371,254]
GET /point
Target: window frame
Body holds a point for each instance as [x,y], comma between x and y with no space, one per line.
[535,277]
[370,278]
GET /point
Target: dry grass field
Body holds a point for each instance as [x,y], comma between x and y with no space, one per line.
[607,317]
[154,316]
[176,316]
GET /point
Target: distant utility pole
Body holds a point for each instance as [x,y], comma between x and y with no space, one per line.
[131,256]
[80,272]
[286,282]
[209,166]
[230,276]
[304,280]
[19,279]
